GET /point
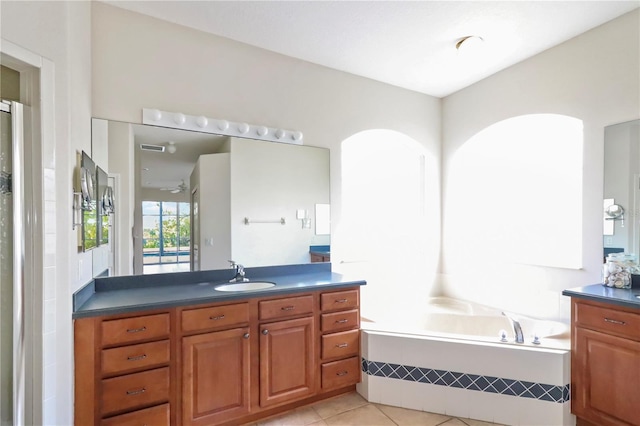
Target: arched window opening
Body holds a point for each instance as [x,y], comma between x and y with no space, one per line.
[390,214]
[514,195]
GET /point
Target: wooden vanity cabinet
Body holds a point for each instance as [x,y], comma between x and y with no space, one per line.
[215,364]
[287,349]
[605,364]
[223,363]
[123,370]
[340,340]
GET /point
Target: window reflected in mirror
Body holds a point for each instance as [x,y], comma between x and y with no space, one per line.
[166,236]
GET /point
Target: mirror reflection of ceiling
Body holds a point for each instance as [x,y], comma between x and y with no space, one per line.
[169,170]
[416,38]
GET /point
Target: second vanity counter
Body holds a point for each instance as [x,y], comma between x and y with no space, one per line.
[118,295]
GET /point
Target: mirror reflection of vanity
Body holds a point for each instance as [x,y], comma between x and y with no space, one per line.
[252,201]
[621,204]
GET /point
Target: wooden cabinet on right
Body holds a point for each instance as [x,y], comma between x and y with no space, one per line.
[605,364]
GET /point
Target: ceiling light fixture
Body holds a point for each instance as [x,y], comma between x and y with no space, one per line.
[469,44]
[171,148]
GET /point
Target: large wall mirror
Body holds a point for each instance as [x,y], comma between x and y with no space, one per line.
[193,201]
[621,203]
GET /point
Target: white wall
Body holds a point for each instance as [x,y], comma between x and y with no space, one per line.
[178,69]
[211,178]
[121,164]
[59,32]
[593,77]
[270,181]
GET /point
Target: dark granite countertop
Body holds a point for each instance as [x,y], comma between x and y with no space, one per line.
[629,298]
[117,295]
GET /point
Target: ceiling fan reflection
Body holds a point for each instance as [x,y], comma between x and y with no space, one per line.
[176,189]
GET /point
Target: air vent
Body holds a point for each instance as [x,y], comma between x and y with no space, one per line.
[154,148]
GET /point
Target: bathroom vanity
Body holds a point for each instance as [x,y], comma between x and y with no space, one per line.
[184,353]
[605,357]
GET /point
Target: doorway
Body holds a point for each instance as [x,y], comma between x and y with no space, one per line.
[12,307]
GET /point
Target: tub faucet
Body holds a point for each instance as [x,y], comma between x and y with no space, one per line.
[517,329]
[239,277]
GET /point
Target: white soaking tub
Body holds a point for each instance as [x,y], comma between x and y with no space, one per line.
[449,359]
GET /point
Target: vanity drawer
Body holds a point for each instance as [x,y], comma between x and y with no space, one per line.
[134,329]
[613,321]
[215,317]
[341,373]
[288,307]
[340,345]
[135,390]
[134,357]
[342,320]
[337,300]
[154,416]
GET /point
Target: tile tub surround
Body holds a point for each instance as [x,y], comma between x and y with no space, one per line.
[489,382]
[116,295]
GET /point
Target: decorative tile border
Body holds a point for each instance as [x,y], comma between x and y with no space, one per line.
[519,388]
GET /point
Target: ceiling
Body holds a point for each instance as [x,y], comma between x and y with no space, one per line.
[409,44]
[163,169]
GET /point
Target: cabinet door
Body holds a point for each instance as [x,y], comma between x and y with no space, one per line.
[287,366]
[215,376]
[605,376]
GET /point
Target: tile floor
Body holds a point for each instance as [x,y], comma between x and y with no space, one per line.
[351,409]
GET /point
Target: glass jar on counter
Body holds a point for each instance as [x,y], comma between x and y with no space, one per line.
[618,268]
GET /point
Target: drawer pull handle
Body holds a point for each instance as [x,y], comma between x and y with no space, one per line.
[137,391]
[615,321]
[265,332]
[342,321]
[245,335]
[341,300]
[342,345]
[136,330]
[288,308]
[219,317]
[342,373]
[136,357]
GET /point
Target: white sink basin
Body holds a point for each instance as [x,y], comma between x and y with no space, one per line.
[246,286]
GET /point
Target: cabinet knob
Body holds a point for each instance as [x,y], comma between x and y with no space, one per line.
[246,335]
[265,332]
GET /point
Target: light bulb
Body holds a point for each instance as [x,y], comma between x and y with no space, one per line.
[202,121]
[179,119]
[243,128]
[223,125]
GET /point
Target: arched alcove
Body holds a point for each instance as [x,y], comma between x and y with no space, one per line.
[390,218]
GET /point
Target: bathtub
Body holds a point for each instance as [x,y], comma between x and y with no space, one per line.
[449,359]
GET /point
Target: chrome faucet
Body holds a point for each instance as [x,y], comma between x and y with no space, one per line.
[517,329]
[239,277]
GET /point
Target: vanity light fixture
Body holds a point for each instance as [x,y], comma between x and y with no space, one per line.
[177,120]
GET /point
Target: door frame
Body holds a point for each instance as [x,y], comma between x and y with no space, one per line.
[36,92]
